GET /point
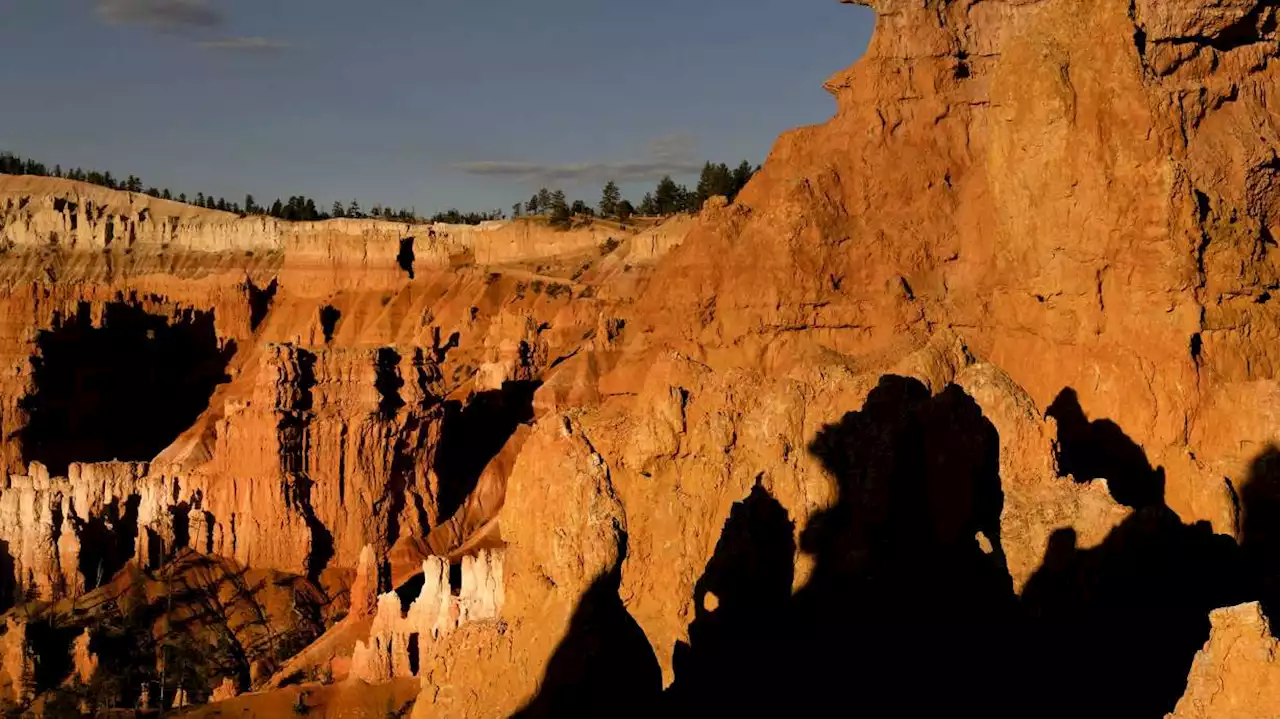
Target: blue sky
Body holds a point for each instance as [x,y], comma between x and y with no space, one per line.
[425,103]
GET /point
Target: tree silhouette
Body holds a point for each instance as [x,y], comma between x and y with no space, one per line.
[610,198]
[625,211]
[560,214]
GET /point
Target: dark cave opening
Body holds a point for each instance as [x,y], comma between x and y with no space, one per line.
[472,436]
[149,379]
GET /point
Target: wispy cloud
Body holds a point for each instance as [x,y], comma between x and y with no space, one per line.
[161,15]
[244,44]
[674,154]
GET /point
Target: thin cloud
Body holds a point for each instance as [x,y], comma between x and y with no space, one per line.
[674,154]
[244,44]
[161,15]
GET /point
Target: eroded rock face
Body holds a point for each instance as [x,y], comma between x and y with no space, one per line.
[966,405]
[1000,332]
[281,392]
[18,667]
[1235,675]
[400,642]
[1085,213]
[297,397]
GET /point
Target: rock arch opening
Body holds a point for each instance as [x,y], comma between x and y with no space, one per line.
[149,380]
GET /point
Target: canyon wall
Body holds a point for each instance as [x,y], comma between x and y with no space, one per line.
[279,393]
[990,351]
[966,405]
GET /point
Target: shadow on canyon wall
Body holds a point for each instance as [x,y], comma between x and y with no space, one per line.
[604,666]
[1258,525]
[151,378]
[910,609]
[473,433]
[8,587]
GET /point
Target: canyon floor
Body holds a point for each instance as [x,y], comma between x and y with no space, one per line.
[968,404]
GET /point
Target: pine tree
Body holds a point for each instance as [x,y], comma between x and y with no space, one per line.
[716,179]
[544,200]
[250,206]
[353,210]
[559,207]
[531,207]
[625,211]
[741,176]
[667,198]
[609,199]
[648,207]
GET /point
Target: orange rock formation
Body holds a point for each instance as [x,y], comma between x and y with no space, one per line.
[966,405]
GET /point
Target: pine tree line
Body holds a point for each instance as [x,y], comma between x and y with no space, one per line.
[298,208]
[668,198]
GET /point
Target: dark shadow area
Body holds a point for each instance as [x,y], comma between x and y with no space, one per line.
[329,316]
[1259,529]
[180,520]
[414,657]
[604,666]
[148,380]
[406,256]
[388,382]
[53,660]
[260,299]
[293,436]
[410,590]
[322,547]
[909,609]
[472,435]
[455,579]
[8,578]
[107,542]
[737,634]
[907,612]
[1101,450]
[1133,611]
